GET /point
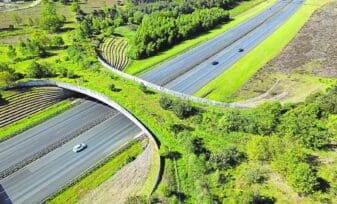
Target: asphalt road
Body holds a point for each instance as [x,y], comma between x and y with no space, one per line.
[43,177]
[192,70]
[29,143]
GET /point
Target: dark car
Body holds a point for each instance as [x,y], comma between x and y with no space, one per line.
[241,50]
[215,62]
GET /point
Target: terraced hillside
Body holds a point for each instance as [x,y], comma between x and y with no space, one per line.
[24,103]
[114,52]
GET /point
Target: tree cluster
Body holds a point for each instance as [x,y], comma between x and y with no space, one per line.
[302,123]
[162,30]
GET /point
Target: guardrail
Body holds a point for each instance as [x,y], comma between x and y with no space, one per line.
[166,90]
[99,97]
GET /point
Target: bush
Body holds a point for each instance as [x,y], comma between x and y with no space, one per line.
[136,200]
[113,88]
[231,121]
[182,109]
[230,157]
[258,149]
[165,102]
[249,175]
[302,178]
[143,88]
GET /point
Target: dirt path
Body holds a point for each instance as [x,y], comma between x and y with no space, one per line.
[126,182]
[306,65]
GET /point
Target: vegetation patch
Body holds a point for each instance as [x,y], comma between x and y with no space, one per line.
[235,77]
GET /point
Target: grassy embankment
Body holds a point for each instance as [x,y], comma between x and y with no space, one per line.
[239,13]
[35,119]
[227,83]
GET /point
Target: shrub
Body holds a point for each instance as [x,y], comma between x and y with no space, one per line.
[231,121]
[136,200]
[302,178]
[182,109]
[113,88]
[258,149]
[165,102]
[143,88]
[252,174]
[230,157]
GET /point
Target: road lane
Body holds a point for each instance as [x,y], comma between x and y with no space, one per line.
[202,74]
[192,70]
[45,176]
[27,144]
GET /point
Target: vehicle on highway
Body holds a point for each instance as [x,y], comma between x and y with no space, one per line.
[241,50]
[79,147]
[215,62]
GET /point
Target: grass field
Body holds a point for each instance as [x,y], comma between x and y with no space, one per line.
[239,13]
[98,176]
[34,119]
[244,69]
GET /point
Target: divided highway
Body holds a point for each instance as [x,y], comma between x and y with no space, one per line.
[192,70]
[39,179]
[34,141]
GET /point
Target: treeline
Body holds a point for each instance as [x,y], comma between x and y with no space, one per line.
[162,30]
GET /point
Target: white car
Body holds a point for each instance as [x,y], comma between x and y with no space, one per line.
[79,147]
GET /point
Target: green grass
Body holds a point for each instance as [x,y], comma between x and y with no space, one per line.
[125,32]
[33,120]
[138,67]
[227,83]
[98,176]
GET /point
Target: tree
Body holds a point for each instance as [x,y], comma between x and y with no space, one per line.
[7,75]
[35,70]
[49,19]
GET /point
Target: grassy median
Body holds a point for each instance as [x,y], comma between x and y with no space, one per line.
[227,83]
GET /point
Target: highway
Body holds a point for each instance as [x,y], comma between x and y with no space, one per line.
[37,140]
[45,176]
[192,70]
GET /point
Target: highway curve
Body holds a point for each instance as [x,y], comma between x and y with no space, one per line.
[47,175]
[192,70]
